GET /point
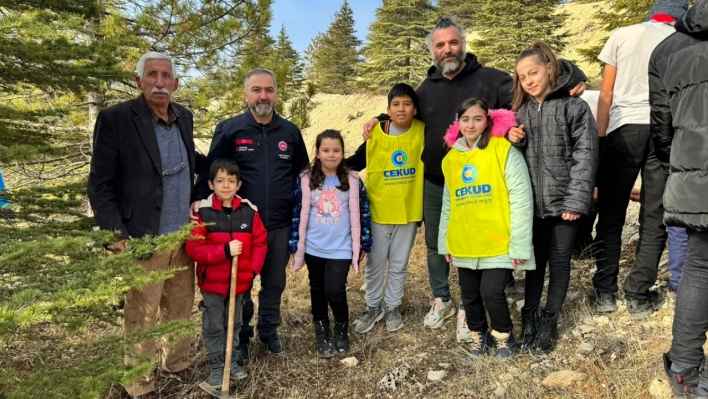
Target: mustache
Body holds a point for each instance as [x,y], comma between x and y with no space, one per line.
[156,90]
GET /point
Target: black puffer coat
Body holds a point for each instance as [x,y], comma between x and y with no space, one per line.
[678,94]
[561,148]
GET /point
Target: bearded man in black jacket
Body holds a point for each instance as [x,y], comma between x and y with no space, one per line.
[455,76]
[678,94]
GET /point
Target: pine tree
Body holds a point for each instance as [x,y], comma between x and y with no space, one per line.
[284,54]
[396,52]
[463,12]
[507,27]
[334,56]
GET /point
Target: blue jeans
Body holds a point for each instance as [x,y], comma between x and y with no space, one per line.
[438,268]
[691,312]
[677,254]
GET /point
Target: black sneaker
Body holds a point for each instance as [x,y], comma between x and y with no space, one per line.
[241,355]
[605,302]
[547,333]
[643,308]
[274,344]
[682,383]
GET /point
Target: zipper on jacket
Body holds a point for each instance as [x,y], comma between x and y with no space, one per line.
[264,129]
[540,163]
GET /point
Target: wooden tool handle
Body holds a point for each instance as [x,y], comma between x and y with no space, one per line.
[230,332]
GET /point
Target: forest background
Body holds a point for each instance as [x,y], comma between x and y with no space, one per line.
[61,62]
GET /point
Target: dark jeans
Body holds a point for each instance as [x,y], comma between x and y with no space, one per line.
[272,287]
[438,268]
[583,248]
[553,240]
[677,254]
[482,292]
[215,323]
[328,286]
[691,312]
[629,150]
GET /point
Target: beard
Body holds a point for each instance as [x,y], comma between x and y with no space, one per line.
[261,109]
[450,66]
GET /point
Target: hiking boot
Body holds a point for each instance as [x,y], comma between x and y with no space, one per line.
[439,311]
[240,354]
[216,378]
[505,343]
[547,333]
[394,320]
[681,383]
[463,333]
[368,319]
[274,344]
[643,308]
[325,349]
[605,302]
[237,372]
[480,344]
[341,338]
[529,326]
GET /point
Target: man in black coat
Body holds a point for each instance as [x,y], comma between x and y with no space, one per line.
[678,93]
[270,153]
[141,183]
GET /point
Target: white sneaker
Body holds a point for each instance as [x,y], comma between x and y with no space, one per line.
[439,311]
[463,333]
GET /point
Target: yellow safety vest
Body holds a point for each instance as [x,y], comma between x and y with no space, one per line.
[480,216]
[394,175]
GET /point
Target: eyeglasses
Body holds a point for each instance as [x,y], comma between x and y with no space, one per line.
[175,170]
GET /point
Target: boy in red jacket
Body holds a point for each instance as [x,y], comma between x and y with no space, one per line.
[235,229]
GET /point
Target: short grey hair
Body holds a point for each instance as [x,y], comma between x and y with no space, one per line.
[444,23]
[259,71]
[153,55]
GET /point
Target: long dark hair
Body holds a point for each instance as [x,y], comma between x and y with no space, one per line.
[487,133]
[317,177]
[545,56]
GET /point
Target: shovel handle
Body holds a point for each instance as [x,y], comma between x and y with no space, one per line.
[230,331]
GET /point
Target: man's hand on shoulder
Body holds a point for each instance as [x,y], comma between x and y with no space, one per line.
[366,133]
[578,90]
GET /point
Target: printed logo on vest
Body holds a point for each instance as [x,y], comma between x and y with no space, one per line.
[469,174]
[283,146]
[399,158]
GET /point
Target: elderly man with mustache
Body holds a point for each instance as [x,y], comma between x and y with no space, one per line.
[141,183]
[270,153]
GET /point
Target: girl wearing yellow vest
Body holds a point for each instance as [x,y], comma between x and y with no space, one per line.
[486,222]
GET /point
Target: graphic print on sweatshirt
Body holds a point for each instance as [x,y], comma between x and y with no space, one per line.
[329,226]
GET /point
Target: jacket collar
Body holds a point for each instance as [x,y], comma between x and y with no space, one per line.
[471,65]
[218,204]
[251,121]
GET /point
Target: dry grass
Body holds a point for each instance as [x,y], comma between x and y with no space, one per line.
[625,359]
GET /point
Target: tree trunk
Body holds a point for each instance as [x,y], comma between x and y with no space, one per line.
[95,101]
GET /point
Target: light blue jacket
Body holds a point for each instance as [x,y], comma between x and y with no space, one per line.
[518,183]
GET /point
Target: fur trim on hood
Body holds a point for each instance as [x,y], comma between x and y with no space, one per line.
[502,121]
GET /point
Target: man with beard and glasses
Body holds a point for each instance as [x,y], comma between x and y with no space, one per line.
[270,153]
[455,76]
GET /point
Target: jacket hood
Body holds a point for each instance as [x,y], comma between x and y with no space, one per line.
[471,65]
[502,120]
[695,21]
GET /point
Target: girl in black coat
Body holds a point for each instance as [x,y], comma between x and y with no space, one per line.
[558,136]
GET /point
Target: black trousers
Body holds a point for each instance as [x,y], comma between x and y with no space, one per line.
[482,292]
[272,287]
[328,286]
[553,240]
[628,151]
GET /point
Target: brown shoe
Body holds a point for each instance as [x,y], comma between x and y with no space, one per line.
[187,376]
[149,395]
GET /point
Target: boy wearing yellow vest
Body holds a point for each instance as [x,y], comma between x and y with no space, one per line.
[394,180]
[486,222]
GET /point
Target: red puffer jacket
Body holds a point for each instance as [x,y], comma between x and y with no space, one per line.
[208,245]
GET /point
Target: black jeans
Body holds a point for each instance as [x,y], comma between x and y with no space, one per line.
[553,240]
[691,312]
[629,150]
[482,292]
[215,324]
[272,287]
[328,286]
